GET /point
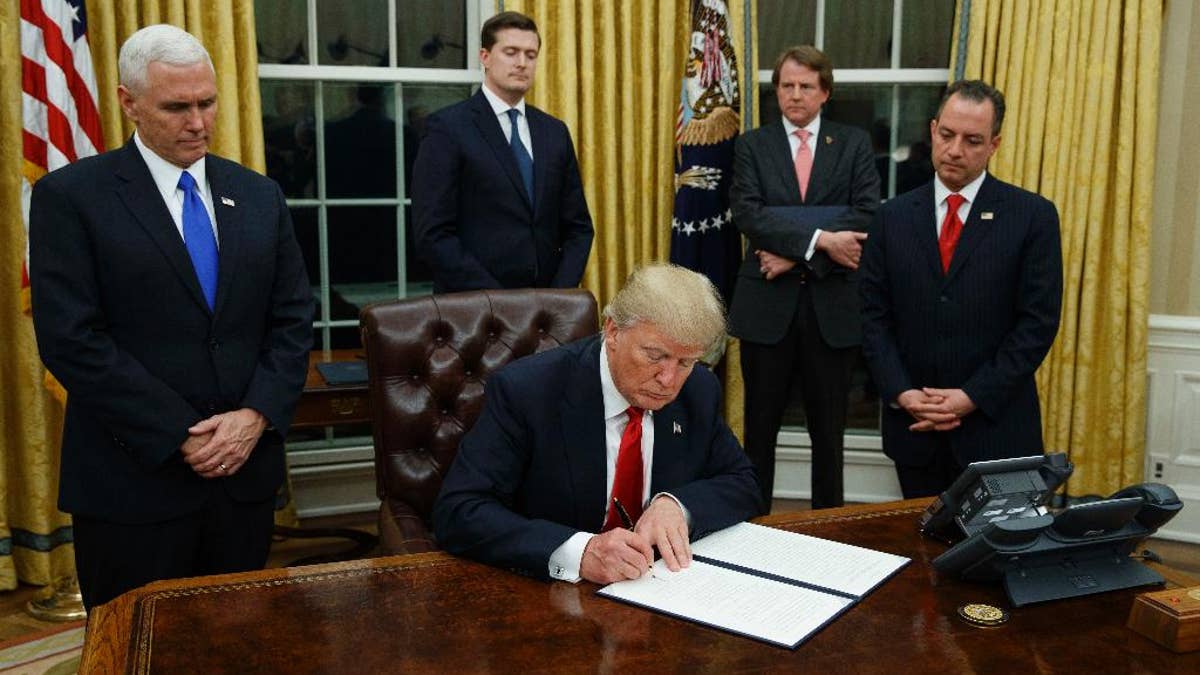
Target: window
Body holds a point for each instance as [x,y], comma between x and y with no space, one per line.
[346,88]
[891,63]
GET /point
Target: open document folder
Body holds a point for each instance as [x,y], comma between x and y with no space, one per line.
[768,584]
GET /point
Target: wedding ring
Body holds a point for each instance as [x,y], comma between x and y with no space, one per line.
[221,467]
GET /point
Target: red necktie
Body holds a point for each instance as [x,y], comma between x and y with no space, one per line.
[627,482]
[952,227]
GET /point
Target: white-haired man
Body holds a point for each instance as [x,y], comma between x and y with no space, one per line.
[170,299]
[588,456]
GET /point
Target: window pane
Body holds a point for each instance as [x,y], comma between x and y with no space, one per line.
[431,34]
[282,31]
[859,34]
[288,130]
[362,258]
[783,24]
[360,140]
[419,278]
[929,27]
[304,220]
[868,107]
[352,33]
[918,105]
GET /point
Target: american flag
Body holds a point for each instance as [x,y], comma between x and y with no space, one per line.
[61,119]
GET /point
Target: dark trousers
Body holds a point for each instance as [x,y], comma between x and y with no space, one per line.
[223,536]
[801,359]
[931,479]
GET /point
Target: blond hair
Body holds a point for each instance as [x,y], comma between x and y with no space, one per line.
[683,304]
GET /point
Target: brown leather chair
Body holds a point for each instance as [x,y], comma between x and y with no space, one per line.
[427,360]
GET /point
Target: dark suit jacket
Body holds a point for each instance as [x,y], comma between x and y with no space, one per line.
[531,472]
[473,221]
[121,322]
[764,175]
[984,327]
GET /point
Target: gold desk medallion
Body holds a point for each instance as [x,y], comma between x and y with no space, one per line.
[982,615]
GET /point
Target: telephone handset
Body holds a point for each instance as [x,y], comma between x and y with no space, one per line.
[1082,549]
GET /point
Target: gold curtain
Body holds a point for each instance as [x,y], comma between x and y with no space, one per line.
[31,528]
[1081,82]
[226,27]
[611,71]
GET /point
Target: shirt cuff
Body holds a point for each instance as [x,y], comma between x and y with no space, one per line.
[812,245]
[566,560]
[687,516]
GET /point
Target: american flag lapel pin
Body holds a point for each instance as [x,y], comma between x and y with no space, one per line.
[227,201]
[676,428]
[987,215]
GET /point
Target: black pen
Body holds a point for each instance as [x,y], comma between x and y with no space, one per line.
[628,523]
[624,515]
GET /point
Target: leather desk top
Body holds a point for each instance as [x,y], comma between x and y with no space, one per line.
[435,613]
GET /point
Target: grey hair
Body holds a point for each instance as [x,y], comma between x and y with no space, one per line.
[161,42]
[683,304]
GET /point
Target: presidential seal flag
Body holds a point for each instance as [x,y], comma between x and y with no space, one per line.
[706,127]
[61,122]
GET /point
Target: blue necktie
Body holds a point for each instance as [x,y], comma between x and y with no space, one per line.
[524,161]
[199,239]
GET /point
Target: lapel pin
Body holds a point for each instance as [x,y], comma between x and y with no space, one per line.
[227,201]
[987,215]
[676,428]
[828,140]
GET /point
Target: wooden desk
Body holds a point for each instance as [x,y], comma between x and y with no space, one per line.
[324,404]
[434,613]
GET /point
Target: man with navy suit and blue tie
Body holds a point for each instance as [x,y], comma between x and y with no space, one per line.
[170,300]
[961,290]
[588,456]
[497,197]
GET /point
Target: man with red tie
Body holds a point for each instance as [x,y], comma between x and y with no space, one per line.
[589,456]
[961,290]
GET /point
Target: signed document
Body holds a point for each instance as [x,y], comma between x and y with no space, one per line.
[771,585]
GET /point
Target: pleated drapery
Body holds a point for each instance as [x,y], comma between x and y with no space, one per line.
[1081,82]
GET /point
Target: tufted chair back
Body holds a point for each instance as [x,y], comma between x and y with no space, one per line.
[427,360]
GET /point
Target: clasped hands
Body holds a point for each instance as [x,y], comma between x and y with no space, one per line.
[935,409]
[843,247]
[221,444]
[621,554]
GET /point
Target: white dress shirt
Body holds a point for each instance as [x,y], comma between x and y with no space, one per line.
[941,192]
[814,129]
[501,109]
[166,179]
[567,559]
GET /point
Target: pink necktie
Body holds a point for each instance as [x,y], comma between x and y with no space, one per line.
[804,161]
[952,227]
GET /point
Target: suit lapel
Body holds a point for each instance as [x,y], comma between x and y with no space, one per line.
[493,135]
[583,439]
[828,147]
[141,196]
[670,447]
[924,219]
[539,132]
[976,229]
[230,227]
[779,150]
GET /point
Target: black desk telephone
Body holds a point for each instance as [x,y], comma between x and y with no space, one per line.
[995,516]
